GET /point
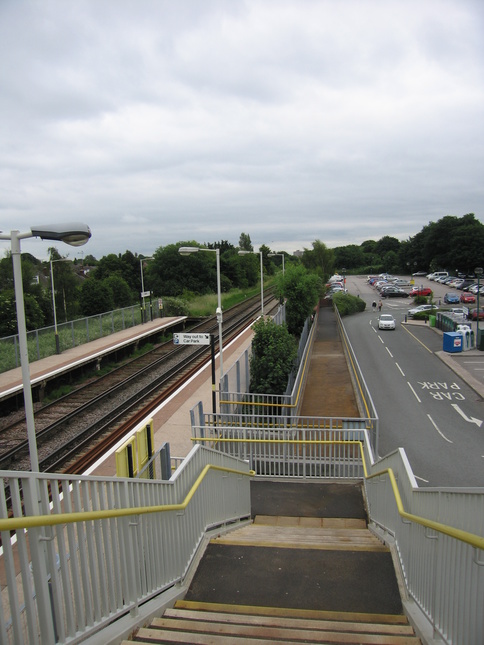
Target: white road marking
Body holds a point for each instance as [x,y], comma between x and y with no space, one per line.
[401,371]
[439,431]
[478,422]
[422,479]
[389,352]
[415,393]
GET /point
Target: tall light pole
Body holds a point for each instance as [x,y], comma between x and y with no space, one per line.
[273,255]
[186,250]
[57,343]
[74,234]
[478,272]
[143,286]
[261,278]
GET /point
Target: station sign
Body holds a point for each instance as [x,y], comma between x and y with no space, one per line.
[191,339]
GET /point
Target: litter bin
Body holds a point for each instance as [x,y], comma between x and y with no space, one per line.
[432,320]
[452,342]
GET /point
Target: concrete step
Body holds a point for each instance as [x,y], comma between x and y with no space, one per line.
[304,533]
[211,624]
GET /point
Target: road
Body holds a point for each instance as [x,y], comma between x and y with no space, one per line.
[423,406]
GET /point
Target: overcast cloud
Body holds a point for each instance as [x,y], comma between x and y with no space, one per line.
[155,121]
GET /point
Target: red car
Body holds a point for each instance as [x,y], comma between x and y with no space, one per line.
[473,314]
[423,291]
[467,298]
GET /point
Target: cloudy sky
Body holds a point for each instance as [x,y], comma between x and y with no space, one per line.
[155,121]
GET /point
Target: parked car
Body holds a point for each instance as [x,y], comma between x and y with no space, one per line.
[416,310]
[386,321]
[420,291]
[459,311]
[437,274]
[472,315]
[451,298]
[393,292]
[468,298]
[419,273]
[400,282]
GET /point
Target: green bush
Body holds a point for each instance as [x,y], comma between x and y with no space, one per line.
[348,304]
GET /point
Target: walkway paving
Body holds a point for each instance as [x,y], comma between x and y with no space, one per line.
[329,389]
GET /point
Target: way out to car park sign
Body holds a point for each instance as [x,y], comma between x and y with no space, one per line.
[191,339]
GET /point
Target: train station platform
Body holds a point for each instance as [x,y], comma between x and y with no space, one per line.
[11,381]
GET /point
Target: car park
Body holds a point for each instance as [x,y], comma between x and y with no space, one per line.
[417,310]
[451,298]
[468,298]
[386,321]
[420,291]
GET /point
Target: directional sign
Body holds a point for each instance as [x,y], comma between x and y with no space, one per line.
[191,339]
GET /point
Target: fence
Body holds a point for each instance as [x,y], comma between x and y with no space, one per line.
[307,447]
[103,547]
[235,395]
[362,393]
[441,556]
[41,342]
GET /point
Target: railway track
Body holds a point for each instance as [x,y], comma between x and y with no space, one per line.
[78,427]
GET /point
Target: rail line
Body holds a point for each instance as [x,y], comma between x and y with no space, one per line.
[93,417]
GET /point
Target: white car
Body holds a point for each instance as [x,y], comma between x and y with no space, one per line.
[386,321]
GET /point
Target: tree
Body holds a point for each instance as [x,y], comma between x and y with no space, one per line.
[95,298]
[244,242]
[274,352]
[66,285]
[301,290]
[319,259]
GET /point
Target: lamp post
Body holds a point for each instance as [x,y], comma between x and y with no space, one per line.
[273,255]
[187,250]
[344,279]
[261,278]
[57,343]
[143,286]
[74,234]
[478,272]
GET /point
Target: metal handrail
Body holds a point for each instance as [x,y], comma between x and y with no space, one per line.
[32,521]
[458,534]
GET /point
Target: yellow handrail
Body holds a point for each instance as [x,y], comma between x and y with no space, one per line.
[32,521]
[464,536]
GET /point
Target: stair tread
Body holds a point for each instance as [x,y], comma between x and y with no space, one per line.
[297,536]
[319,614]
[275,632]
[294,622]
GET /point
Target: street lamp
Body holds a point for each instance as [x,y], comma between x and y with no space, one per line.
[344,279]
[57,344]
[74,234]
[261,279]
[143,285]
[187,250]
[273,255]
[478,272]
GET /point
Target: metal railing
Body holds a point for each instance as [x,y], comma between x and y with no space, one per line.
[437,534]
[87,551]
[235,395]
[438,537]
[363,396]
